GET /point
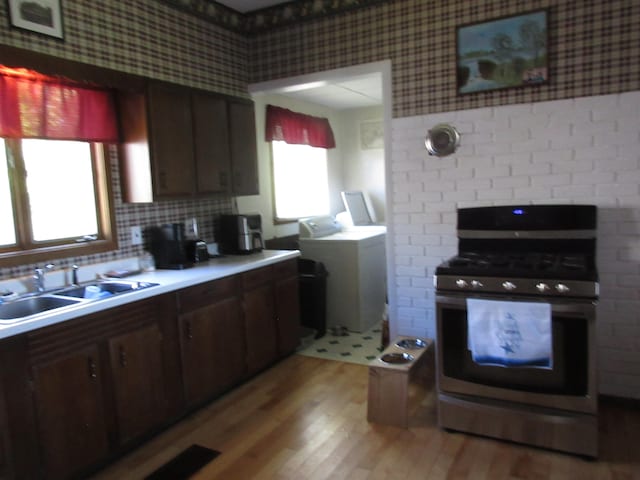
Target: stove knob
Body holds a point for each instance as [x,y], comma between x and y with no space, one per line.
[562,288]
[508,286]
[462,283]
[476,284]
[542,287]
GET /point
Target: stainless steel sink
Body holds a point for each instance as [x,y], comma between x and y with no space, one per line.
[15,311]
[103,289]
[18,309]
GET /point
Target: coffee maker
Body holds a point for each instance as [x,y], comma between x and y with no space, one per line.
[167,244]
[240,234]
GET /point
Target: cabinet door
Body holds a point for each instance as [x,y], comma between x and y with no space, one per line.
[287,314]
[70,412]
[3,434]
[259,316]
[171,139]
[244,157]
[138,381]
[211,144]
[213,349]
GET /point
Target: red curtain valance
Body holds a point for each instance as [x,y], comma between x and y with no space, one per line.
[36,106]
[298,128]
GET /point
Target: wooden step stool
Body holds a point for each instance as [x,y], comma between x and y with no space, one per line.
[388,401]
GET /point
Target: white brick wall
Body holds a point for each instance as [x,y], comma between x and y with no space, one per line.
[584,150]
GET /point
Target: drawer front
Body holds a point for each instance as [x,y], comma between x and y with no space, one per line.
[286,269]
[257,277]
[204,294]
[55,340]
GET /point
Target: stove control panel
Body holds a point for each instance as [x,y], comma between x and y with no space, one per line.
[522,286]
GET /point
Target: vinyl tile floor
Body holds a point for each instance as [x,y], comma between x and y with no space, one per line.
[353,347]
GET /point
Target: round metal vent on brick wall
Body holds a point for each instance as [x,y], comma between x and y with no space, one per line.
[442,140]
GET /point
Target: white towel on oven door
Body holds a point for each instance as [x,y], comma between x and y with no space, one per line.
[509,334]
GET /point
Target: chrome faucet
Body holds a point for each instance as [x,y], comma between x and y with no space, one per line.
[38,276]
[74,275]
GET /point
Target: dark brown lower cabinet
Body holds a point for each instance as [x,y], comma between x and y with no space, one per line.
[78,393]
[101,382]
[258,307]
[3,436]
[70,412]
[237,326]
[287,306]
[213,349]
[138,381]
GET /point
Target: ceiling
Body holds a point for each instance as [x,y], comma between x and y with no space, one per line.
[338,94]
[244,6]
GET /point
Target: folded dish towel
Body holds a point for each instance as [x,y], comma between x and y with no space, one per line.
[510,333]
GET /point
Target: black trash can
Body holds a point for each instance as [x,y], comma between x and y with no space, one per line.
[313,295]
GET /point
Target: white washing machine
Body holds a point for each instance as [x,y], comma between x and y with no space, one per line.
[356,266]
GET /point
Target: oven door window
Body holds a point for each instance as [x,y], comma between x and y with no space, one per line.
[568,376]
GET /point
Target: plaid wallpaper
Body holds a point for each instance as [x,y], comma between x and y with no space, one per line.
[594,49]
[143,37]
[147,38]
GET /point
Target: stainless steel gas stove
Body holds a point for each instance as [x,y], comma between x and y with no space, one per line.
[513,261]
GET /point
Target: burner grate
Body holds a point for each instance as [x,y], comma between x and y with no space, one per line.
[517,263]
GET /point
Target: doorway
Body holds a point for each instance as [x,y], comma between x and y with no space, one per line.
[361,96]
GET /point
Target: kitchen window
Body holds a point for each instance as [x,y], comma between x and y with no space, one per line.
[55,198]
[300,181]
[54,195]
[299,144]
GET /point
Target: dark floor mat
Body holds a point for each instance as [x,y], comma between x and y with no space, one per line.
[185,464]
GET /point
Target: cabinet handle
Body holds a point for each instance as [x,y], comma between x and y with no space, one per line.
[163,179]
[93,371]
[189,330]
[123,356]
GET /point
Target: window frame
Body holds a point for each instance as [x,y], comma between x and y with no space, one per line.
[26,251]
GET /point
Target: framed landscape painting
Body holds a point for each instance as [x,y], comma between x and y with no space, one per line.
[503,53]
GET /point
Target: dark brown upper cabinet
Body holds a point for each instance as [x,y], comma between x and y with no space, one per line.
[211,144]
[179,143]
[244,164]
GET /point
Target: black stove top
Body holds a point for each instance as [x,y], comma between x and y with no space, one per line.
[525,265]
[541,250]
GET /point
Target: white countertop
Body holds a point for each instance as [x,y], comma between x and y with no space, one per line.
[167,280]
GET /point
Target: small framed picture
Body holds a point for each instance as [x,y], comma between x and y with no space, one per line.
[502,53]
[40,16]
[371,135]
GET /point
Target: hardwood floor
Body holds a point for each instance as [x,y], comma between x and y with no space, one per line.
[305,418]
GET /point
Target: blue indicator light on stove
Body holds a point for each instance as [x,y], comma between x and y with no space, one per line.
[518,211]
